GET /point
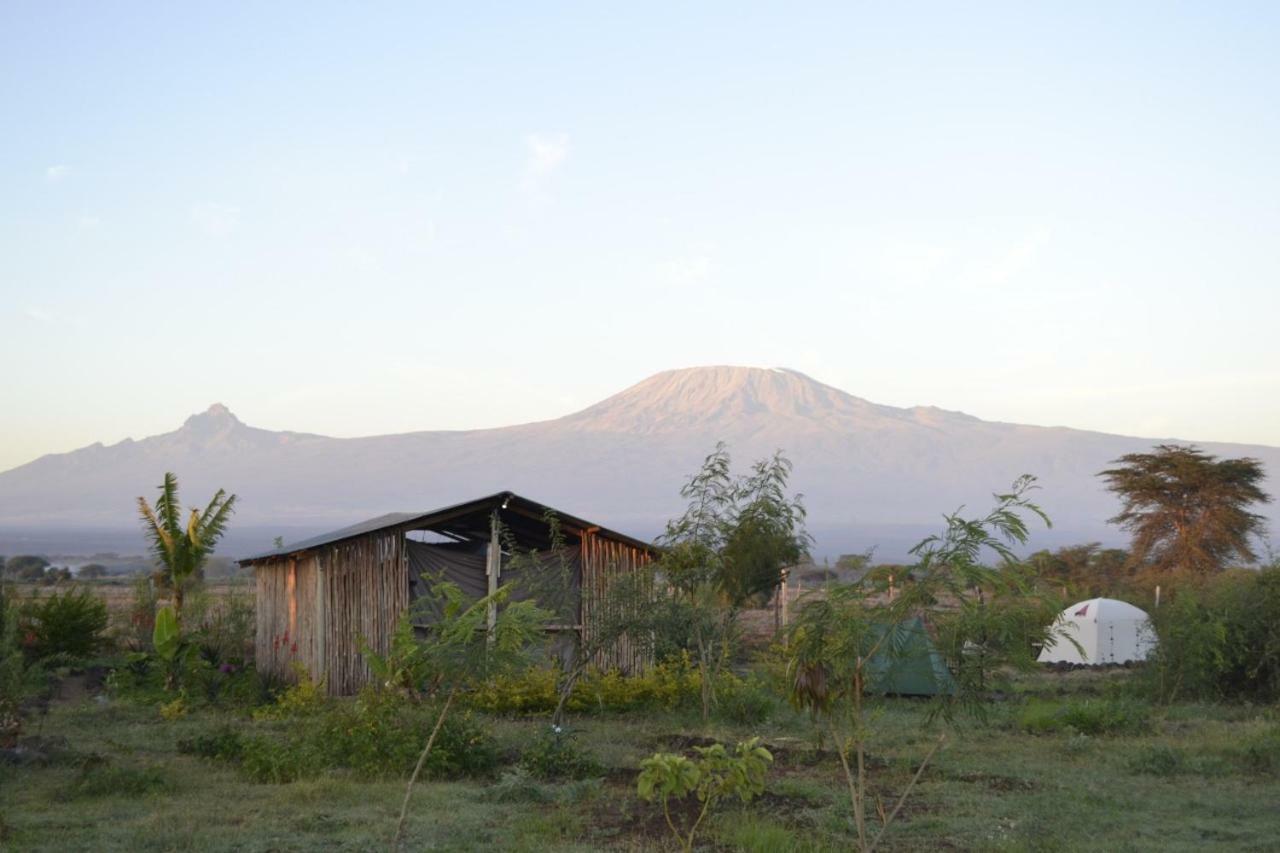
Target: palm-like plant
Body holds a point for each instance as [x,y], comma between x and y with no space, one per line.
[182,549]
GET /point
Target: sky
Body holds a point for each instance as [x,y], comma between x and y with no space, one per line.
[355,219]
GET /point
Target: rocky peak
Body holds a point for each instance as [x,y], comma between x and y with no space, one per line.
[214,422]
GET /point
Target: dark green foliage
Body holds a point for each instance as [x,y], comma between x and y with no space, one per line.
[554,755]
[1091,717]
[92,570]
[1188,511]
[1219,639]
[26,567]
[1085,571]
[378,736]
[726,551]
[745,701]
[68,624]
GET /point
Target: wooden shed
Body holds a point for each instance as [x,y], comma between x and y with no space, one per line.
[319,599]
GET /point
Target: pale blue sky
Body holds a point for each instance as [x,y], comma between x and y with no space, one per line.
[364,218]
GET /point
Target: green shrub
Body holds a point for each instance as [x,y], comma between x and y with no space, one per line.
[67,624]
[304,698]
[1088,717]
[1219,639]
[745,701]
[380,735]
[554,756]
[377,736]
[667,686]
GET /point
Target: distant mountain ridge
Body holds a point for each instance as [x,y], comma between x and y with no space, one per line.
[871,474]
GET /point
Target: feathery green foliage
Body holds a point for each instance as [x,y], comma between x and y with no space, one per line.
[840,642]
[1186,509]
[727,550]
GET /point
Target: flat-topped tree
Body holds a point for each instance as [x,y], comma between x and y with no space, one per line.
[1186,509]
[181,550]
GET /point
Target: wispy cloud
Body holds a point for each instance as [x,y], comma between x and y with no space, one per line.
[216,220]
[53,174]
[544,154]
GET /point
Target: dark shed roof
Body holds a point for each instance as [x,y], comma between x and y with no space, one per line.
[464,521]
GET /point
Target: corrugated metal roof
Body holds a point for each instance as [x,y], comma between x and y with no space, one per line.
[424,520]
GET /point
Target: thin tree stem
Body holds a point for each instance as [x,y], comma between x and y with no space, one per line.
[422,759]
[842,750]
[902,799]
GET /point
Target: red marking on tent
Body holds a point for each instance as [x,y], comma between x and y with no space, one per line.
[1083,611]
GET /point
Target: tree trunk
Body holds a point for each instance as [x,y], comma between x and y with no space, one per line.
[422,759]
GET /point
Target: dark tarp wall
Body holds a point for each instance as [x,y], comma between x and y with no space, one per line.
[552,580]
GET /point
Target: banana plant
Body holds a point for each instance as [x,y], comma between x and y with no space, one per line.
[169,644]
[182,549]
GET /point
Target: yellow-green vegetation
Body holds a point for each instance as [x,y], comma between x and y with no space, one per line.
[1191,777]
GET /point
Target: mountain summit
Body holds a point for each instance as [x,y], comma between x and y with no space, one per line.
[696,397]
[872,475]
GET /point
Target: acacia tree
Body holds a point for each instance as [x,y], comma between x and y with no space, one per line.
[179,549]
[728,549]
[1186,509]
[843,643]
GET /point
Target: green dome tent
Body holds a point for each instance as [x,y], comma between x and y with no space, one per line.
[914,668]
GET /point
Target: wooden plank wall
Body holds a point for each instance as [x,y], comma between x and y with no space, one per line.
[285,612]
[358,588]
[367,581]
[318,608]
[603,559]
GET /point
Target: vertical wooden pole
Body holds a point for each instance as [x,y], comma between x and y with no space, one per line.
[321,626]
[493,568]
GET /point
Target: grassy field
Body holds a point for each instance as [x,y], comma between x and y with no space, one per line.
[1188,783]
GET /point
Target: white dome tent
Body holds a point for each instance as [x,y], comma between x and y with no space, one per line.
[1107,630]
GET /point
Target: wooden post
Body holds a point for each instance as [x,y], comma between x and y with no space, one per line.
[321,627]
[493,569]
[784,599]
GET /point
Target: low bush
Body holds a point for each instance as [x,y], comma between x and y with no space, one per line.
[69,625]
[554,755]
[1088,717]
[303,698]
[1219,638]
[669,685]
[376,736]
